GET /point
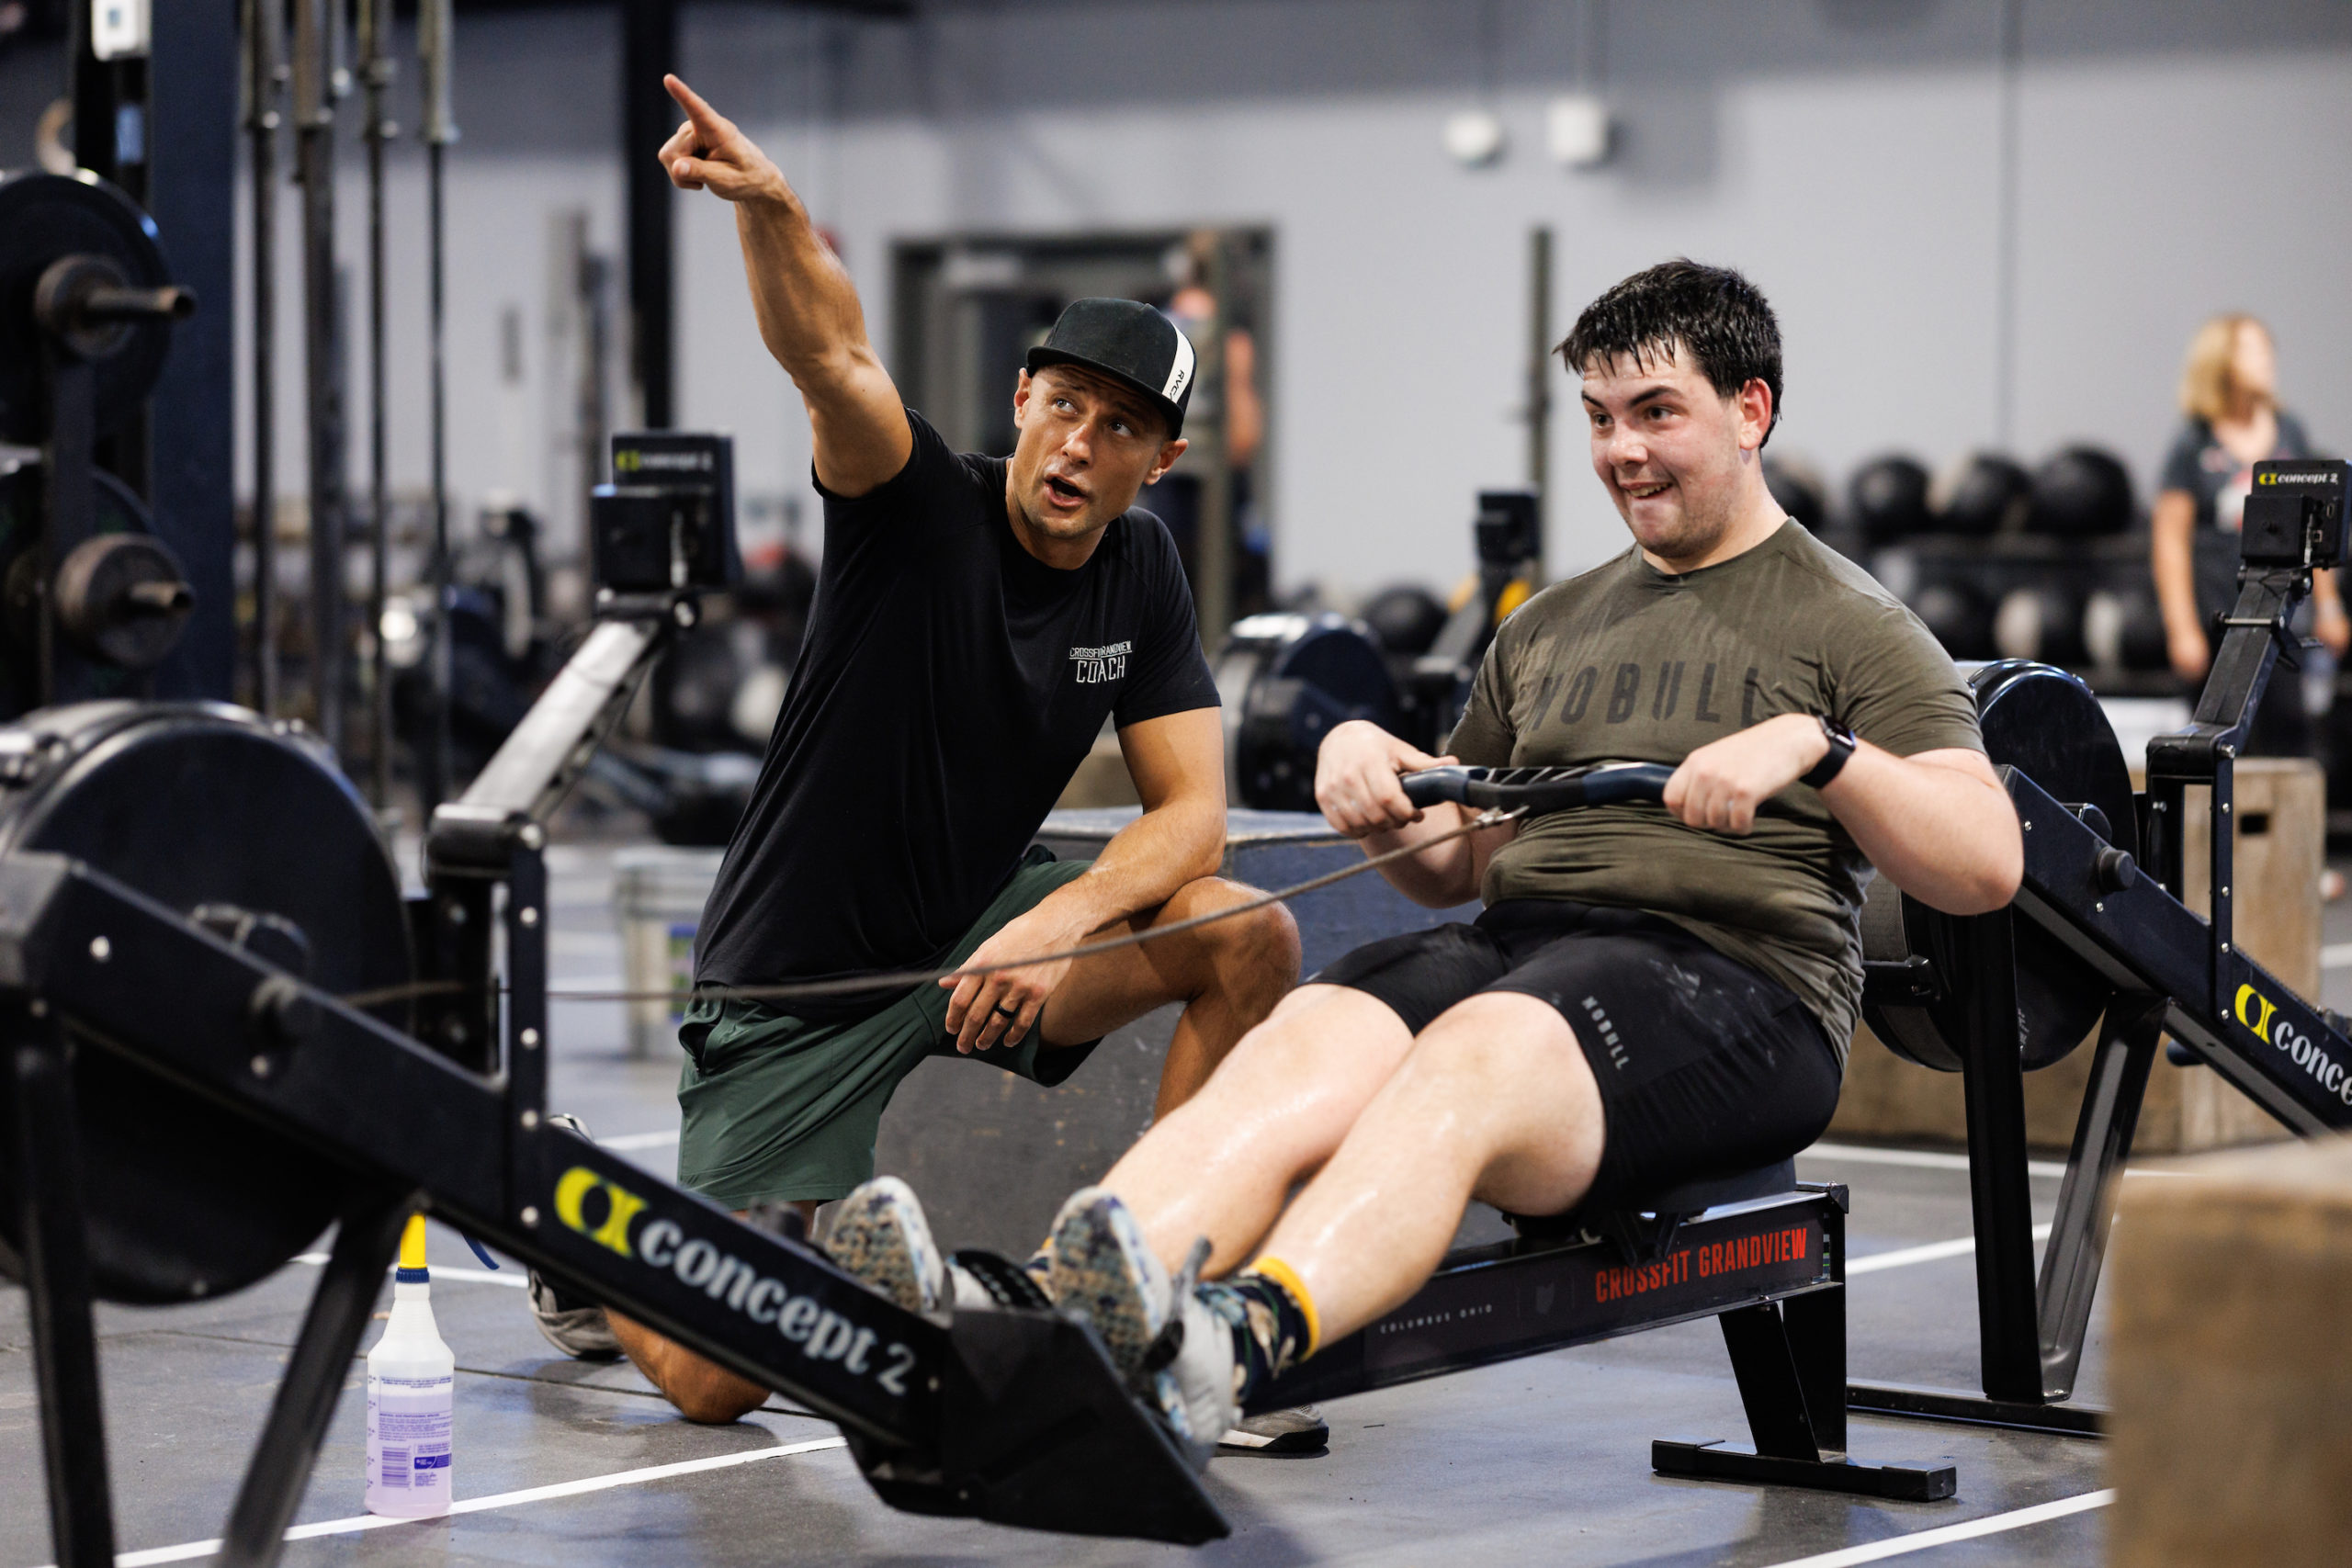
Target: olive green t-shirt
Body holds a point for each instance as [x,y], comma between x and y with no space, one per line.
[1628,664]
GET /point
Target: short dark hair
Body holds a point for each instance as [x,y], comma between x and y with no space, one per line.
[1715,315]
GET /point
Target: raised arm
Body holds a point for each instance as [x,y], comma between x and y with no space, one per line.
[807,308]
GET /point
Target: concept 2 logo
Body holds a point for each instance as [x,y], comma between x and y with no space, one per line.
[2259,1016]
[821,1333]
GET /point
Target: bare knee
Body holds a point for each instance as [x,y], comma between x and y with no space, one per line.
[1493,1042]
[713,1405]
[701,1390]
[1257,948]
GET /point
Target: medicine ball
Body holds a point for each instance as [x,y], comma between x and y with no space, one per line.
[1407,617]
[1959,618]
[2044,624]
[1981,495]
[1797,491]
[2082,492]
[1888,497]
[2125,630]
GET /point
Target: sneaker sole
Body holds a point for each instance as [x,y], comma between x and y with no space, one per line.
[878,1242]
[1307,1441]
[1094,1274]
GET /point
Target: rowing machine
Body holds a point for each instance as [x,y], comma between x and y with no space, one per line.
[2098,934]
[222,1029]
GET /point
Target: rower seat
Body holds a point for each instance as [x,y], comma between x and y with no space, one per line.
[1636,1224]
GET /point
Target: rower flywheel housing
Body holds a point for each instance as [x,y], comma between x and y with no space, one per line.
[2047,725]
[251,831]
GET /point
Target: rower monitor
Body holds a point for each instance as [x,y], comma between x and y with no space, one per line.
[666,523]
[2294,514]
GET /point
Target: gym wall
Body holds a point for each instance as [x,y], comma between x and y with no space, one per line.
[1984,222]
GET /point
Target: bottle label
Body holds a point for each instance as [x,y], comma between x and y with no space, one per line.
[408,1437]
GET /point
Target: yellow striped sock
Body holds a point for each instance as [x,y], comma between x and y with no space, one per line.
[1283,1275]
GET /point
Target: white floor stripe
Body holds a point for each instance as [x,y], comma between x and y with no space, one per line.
[2335,955]
[1922,1159]
[1924,1540]
[195,1549]
[1903,1257]
[513,1280]
[629,1141]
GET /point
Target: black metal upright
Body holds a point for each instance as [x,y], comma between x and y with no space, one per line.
[110,139]
[376,69]
[191,444]
[2000,1194]
[435,38]
[366,1238]
[264,85]
[648,47]
[314,118]
[47,1182]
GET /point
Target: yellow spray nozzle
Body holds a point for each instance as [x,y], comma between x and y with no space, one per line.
[413,1243]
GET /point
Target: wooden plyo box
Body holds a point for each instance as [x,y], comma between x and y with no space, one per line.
[2229,1371]
[2281,846]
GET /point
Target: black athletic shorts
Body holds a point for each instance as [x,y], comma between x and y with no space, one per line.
[1706,1069]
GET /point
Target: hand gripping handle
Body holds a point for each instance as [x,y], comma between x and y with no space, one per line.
[1538,789]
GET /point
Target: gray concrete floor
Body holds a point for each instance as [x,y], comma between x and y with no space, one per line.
[1539,1461]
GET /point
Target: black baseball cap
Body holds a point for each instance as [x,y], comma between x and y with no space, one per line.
[1129,341]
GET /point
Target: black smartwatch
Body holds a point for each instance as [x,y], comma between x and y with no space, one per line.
[1841,746]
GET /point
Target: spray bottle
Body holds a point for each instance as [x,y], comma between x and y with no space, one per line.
[411,1384]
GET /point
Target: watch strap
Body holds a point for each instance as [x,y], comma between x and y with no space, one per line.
[1841,746]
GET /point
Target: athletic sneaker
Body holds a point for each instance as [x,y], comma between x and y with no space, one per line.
[1173,1349]
[880,1236]
[1297,1431]
[577,1328]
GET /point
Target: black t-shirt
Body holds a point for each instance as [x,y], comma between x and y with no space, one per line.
[2214,477]
[949,685]
[2218,480]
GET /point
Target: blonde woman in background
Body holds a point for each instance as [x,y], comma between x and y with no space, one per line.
[2229,390]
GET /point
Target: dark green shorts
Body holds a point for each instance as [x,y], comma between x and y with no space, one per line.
[782,1108]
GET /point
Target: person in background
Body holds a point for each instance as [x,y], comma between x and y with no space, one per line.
[2229,390]
[1232,404]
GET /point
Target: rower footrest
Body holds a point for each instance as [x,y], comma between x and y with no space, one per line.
[1036,1430]
[1693,1459]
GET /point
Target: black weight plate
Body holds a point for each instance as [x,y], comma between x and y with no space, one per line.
[195,804]
[1286,679]
[43,218]
[20,502]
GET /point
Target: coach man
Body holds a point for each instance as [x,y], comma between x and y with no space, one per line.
[976,621]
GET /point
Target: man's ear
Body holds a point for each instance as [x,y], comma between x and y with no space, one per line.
[1168,455]
[1021,391]
[1755,413]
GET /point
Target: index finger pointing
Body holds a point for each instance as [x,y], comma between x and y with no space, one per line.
[706,120]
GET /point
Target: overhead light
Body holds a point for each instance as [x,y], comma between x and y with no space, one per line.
[1473,137]
[1577,130]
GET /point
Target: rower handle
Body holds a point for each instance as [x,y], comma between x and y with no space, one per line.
[1539,789]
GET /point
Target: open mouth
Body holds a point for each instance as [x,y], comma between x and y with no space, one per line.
[1645,489]
[1065,492]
